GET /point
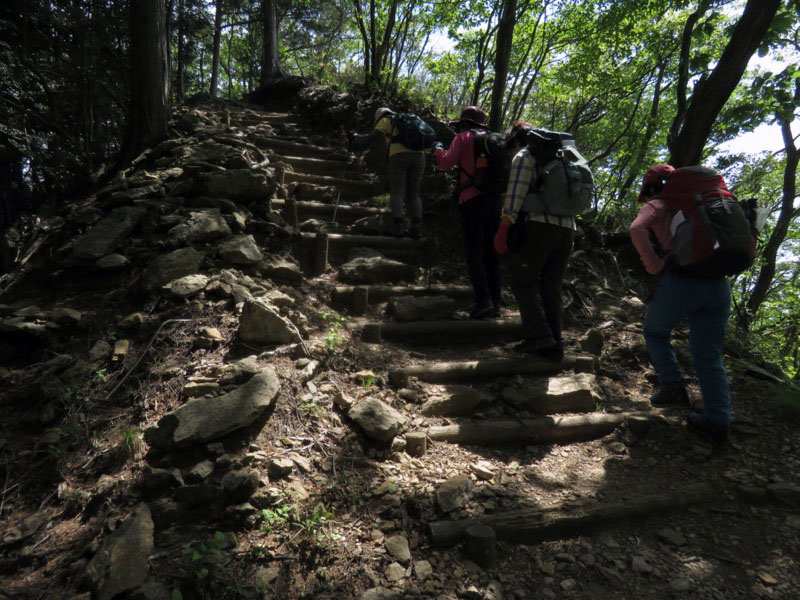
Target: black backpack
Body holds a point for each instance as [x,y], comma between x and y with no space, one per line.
[412,132]
[492,163]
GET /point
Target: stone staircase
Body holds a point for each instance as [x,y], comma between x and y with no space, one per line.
[543,402]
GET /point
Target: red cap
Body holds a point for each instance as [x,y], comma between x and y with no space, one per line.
[472,115]
[653,175]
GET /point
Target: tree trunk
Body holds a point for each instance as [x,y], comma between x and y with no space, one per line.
[272,65]
[505,35]
[215,58]
[788,213]
[147,123]
[180,92]
[711,95]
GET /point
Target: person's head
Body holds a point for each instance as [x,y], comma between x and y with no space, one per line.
[654,180]
[383,112]
[516,136]
[471,117]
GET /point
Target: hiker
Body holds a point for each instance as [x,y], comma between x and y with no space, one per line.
[704,300]
[479,198]
[405,168]
[538,265]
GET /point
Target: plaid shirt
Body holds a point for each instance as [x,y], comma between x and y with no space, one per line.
[523,166]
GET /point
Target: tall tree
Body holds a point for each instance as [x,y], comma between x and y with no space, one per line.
[505,36]
[215,55]
[692,127]
[272,65]
[147,124]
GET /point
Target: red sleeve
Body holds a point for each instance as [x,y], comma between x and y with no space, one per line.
[640,237]
[448,159]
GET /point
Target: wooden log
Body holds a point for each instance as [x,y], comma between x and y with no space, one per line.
[371,241]
[481,545]
[380,293]
[544,430]
[416,443]
[320,253]
[535,525]
[479,370]
[360,300]
[427,332]
[320,209]
[290,212]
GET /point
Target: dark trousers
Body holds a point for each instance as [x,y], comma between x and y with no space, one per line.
[480,218]
[537,271]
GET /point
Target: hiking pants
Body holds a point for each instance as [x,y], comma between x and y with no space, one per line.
[706,303]
[405,174]
[480,218]
[537,270]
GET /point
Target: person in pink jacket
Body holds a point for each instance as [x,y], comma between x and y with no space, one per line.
[704,301]
[479,211]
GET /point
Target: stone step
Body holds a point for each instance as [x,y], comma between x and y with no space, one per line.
[481,370]
[348,187]
[358,297]
[319,249]
[535,525]
[321,166]
[277,117]
[320,210]
[283,146]
[442,332]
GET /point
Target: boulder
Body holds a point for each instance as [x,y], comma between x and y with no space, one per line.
[240,250]
[238,184]
[121,562]
[168,267]
[376,270]
[454,493]
[261,324]
[459,401]
[421,308]
[187,286]
[112,262]
[569,393]
[378,420]
[205,419]
[103,238]
[201,226]
[281,269]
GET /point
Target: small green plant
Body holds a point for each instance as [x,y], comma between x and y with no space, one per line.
[131,437]
[381,199]
[201,556]
[367,381]
[318,524]
[312,408]
[277,516]
[101,375]
[333,336]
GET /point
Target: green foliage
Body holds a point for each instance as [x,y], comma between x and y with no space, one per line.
[366,381]
[200,556]
[787,401]
[285,516]
[333,335]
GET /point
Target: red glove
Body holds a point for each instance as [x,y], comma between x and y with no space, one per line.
[500,245]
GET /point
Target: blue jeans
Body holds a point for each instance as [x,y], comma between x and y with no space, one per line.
[706,303]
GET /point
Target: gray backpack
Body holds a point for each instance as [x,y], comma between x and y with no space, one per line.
[565,185]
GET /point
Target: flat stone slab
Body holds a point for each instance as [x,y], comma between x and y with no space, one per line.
[376,270]
[103,238]
[121,563]
[421,308]
[437,332]
[570,393]
[206,419]
[262,324]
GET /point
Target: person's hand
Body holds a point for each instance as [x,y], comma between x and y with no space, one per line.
[501,238]
[436,147]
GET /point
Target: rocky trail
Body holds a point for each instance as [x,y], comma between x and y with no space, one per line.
[223,379]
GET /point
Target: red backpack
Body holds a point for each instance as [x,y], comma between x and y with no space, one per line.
[711,235]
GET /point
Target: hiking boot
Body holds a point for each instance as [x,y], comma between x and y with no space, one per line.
[671,395]
[415,231]
[554,353]
[698,423]
[482,311]
[527,346]
[398,227]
